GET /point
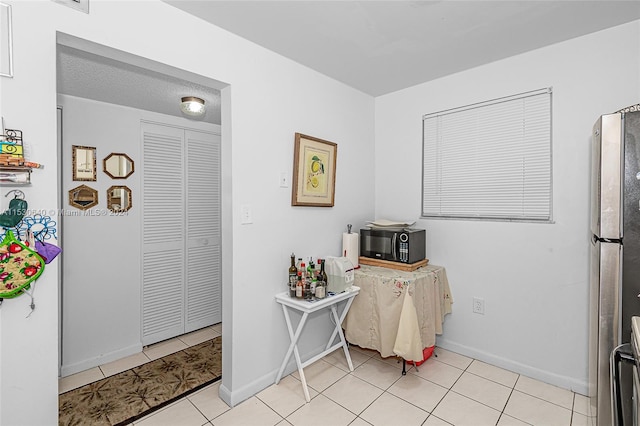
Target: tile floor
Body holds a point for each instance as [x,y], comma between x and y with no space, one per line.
[449,389]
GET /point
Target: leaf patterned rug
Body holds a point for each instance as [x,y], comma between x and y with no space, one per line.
[132,394]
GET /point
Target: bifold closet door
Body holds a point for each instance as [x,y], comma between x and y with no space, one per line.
[203,274]
[181,264]
[163,230]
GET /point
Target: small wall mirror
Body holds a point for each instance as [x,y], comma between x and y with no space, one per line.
[118,166]
[118,198]
[83,197]
[84,162]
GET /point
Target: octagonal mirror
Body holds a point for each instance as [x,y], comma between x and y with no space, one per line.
[118,199]
[118,165]
[83,197]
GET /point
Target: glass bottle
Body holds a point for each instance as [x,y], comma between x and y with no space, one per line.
[322,273]
[311,273]
[299,286]
[321,285]
[303,270]
[293,276]
[308,294]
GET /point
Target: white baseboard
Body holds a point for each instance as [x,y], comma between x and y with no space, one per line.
[235,397]
[570,383]
[66,370]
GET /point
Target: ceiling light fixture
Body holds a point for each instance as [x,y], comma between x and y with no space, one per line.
[192,106]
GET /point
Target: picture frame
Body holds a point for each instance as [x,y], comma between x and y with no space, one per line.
[314,172]
[6,41]
[84,163]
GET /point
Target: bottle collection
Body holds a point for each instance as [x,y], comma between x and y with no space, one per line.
[306,281]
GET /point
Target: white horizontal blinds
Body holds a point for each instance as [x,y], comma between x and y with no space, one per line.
[489,160]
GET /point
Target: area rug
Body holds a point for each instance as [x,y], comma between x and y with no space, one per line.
[125,397]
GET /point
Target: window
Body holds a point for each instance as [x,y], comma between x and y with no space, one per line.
[490,160]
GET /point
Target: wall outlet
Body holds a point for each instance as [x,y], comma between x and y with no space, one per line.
[478,305]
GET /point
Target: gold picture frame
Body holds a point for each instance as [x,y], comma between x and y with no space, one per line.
[314,172]
[84,163]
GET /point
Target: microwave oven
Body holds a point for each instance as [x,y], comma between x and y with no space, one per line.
[406,246]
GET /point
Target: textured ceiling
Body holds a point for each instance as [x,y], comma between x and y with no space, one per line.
[96,77]
[383,46]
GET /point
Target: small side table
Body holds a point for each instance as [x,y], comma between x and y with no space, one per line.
[306,307]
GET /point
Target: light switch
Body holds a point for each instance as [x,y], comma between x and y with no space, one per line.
[245,214]
[284,180]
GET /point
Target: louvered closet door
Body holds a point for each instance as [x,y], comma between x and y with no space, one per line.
[163,241]
[203,285]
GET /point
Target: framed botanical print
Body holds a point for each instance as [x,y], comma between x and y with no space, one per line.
[314,172]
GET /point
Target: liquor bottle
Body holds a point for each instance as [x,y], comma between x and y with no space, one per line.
[303,270]
[311,273]
[308,294]
[322,273]
[311,268]
[298,263]
[321,285]
[293,276]
[299,286]
[321,290]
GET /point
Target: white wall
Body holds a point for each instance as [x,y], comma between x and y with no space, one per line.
[533,277]
[268,99]
[101,311]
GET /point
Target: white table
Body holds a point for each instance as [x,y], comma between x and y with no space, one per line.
[306,307]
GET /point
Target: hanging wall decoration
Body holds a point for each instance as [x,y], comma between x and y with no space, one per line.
[19,267]
[6,41]
[84,163]
[83,197]
[314,172]
[118,165]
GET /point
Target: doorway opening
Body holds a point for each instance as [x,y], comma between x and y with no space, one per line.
[105,96]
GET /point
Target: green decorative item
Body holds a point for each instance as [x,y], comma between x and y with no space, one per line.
[19,267]
[16,211]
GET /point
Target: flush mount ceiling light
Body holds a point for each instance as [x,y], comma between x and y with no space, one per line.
[192,106]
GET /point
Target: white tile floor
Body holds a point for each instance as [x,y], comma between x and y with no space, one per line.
[449,389]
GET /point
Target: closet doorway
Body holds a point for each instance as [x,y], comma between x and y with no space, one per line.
[111,269]
[181,231]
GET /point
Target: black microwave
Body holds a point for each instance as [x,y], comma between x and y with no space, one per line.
[406,246]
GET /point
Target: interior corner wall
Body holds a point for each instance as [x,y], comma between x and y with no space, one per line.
[270,98]
[534,278]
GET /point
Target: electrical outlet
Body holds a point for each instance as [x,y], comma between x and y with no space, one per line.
[478,305]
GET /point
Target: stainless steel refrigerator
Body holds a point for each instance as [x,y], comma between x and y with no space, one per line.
[615,254]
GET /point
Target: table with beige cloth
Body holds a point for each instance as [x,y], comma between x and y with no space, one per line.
[398,313]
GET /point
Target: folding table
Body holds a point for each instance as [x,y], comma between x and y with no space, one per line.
[307,307]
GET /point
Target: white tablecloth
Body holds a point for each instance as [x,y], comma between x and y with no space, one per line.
[398,313]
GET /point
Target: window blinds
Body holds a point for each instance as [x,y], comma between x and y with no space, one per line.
[490,160]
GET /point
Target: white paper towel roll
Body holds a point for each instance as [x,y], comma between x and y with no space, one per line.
[351,247]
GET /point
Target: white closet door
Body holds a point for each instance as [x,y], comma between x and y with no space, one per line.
[203,274]
[163,242]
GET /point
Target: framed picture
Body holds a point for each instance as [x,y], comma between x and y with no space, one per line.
[314,172]
[6,42]
[84,163]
